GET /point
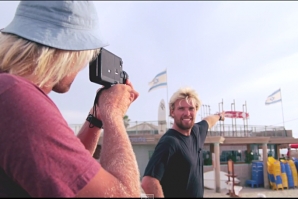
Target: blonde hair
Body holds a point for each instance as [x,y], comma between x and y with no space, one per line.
[48,65]
[186,93]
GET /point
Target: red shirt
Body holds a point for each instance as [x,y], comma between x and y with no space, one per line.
[40,156]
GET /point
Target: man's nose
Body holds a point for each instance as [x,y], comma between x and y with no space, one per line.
[186,112]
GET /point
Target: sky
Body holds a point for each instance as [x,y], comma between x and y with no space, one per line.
[228,51]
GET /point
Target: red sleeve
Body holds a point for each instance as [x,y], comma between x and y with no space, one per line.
[38,150]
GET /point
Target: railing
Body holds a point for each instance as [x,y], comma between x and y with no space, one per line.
[225,130]
[228,130]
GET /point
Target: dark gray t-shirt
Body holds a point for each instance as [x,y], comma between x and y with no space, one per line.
[177,162]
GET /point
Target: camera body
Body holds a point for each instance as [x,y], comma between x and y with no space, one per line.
[107,69]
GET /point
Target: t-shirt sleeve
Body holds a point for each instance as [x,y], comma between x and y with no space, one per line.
[160,158]
[203,129]
[38,150]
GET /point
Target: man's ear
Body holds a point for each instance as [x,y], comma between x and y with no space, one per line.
[172,114]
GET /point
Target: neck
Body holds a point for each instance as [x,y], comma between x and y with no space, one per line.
[182,131]
[45,89]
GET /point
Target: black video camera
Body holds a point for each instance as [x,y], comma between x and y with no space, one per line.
[107,69]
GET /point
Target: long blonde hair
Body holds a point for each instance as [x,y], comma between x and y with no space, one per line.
[48,65]
[186,93]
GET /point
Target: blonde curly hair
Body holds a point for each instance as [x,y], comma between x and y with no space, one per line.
[186,93]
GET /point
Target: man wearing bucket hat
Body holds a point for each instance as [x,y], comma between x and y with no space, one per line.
[42,49]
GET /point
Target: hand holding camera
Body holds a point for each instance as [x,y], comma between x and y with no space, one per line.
[115,101]
[118,93]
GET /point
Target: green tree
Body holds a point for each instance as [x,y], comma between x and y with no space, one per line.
[126,121]
[249,157]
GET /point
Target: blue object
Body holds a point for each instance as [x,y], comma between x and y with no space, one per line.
[257,176]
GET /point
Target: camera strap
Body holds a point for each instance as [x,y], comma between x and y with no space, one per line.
[95,103]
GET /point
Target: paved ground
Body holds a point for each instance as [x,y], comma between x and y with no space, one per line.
[248,192]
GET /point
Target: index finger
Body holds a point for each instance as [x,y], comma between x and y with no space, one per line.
[128,82]
[99,89]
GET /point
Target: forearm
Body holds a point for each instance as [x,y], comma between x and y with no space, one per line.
[211,120]
[89,137]
[117,156]
[152,186]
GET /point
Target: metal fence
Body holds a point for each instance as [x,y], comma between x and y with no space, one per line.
[225,130]
[229,130]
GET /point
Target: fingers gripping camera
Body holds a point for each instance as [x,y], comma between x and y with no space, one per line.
[106,70]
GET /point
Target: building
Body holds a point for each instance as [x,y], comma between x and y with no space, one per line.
[242,144]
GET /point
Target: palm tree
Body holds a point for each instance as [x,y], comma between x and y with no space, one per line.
[126,121]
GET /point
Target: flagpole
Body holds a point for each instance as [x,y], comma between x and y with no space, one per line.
[282,109]
[168,123]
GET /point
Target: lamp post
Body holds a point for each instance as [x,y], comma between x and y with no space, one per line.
[221,123]
[244,106]
[209,109]
[233,105]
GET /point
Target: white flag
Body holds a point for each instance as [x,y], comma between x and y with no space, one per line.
[274,97]
[159,81]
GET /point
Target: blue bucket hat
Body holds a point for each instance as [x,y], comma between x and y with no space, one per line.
[66,25]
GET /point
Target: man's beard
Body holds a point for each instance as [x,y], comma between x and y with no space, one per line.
[180,124]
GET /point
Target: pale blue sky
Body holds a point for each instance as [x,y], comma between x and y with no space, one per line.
[241,51]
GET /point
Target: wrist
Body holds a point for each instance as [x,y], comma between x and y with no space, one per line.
[219,115]
[112,119]
[94,122]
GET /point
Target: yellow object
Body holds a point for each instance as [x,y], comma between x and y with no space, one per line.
[273,167]
[271,160]
[283,161]
[284,179]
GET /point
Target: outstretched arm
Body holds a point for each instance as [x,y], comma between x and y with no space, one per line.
[212,119]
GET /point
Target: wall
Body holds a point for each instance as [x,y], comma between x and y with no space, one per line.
[294,153]
[243,171]
[142,155]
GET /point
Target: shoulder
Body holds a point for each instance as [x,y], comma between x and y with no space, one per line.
[170,138]
[32,110]
[16,84]
[8,81]
[18,90]
[202,124]
[12,80]
[200,128]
